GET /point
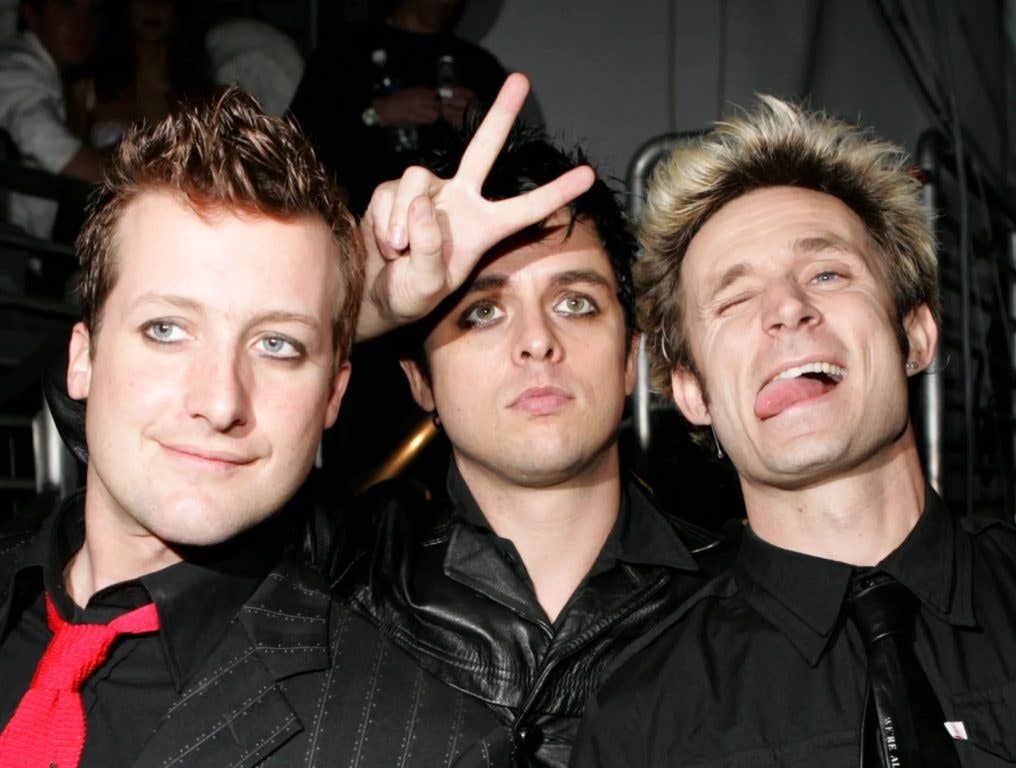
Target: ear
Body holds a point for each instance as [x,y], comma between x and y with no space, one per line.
[922,337]
[689,397]
[79,362]
[631,365]
[339,383]
[419,385]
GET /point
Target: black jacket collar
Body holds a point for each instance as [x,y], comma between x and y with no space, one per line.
[195,598]
[803,595]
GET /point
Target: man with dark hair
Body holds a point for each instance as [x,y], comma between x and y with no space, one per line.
[546,559]
[789,288]
[161,616]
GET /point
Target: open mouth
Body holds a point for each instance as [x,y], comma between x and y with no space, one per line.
[797,385]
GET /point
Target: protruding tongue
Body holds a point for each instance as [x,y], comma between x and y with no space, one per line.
[778,395]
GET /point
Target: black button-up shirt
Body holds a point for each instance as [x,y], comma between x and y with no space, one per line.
[762,669]
[127,696]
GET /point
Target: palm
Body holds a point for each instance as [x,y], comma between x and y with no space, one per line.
[425,235]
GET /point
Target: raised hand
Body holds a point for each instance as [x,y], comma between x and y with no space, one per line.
[424,235]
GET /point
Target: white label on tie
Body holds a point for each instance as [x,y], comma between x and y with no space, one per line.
[957,730]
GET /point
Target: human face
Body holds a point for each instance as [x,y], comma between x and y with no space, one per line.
[68,29]
[151,20]
[211,374]
[778,279]
[529,370]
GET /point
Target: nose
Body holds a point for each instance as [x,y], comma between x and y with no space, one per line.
[788,307]
[536,340]
[217,391]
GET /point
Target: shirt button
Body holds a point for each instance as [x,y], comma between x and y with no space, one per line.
[530,737]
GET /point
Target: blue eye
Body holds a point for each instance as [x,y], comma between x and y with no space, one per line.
[826,277]
[480,315]
[164,331]
[279,347]
[576,305]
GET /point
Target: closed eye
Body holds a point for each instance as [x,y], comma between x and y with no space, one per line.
[728,304]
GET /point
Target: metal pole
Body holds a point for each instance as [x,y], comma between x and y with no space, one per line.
[1011,309]
[931,388]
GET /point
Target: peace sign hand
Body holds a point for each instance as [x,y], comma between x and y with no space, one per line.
[424,235]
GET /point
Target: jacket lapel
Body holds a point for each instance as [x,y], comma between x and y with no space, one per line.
[234,712]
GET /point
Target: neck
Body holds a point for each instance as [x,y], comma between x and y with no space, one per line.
[405,18]
[558,530]
[857,517]
[116,547]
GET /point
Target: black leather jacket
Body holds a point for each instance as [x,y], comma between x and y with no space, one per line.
[448,590]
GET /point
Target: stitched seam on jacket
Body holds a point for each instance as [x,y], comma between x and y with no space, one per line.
[201,739]
[283,615]
[289,721]
[368,706]
[318,729]
[205,682]
[407,737]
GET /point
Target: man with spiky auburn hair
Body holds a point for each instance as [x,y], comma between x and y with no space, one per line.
[789,292]
[159,617]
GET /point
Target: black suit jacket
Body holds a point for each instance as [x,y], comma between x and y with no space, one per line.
[299,680]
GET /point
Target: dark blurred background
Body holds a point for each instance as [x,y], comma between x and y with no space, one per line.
[629,81]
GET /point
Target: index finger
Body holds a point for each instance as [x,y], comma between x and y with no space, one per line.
[517,213]
[486,143]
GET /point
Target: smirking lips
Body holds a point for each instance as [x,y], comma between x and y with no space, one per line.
[796,385]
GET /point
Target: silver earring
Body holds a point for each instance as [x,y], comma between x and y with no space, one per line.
[911,365]
[663,348]
[716,442]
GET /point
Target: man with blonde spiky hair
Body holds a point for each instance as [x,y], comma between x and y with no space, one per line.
[789,291]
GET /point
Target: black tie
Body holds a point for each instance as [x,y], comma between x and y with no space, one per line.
[902,724]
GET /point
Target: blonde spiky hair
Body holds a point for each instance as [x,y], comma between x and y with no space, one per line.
[777,144]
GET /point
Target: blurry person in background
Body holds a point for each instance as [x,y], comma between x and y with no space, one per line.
[150,58]
[39,70]
[376,98]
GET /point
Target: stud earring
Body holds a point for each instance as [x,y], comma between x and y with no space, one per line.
[911,365]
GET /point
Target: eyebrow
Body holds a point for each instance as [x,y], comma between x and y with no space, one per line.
[168,298]
[568,277]
[281,316]
[822,243]
[572,276]
[732,275]
[271,316]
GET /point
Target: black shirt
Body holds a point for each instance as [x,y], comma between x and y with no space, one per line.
[340,81]
[762,669]
[458,598]
[143,675]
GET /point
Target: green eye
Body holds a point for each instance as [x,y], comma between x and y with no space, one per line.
[576,305]
[480,315]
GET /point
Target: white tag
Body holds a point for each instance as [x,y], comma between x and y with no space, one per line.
[957,730]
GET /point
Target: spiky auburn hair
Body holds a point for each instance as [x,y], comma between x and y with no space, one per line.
[222,154]
[777,144]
